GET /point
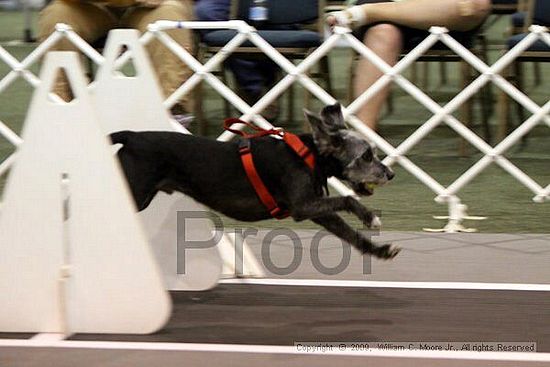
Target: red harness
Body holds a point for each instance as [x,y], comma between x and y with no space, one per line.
[293,141]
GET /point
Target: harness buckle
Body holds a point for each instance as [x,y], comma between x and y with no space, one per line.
[244,150]
[279,213]
[304,152]
[244,146]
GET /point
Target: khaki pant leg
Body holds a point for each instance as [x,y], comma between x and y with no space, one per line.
[171,71]
[89,21]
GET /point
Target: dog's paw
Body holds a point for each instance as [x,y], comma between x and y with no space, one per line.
[371,220]
[387,252]
[375,222]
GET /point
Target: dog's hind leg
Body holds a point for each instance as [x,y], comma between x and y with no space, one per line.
[337,226]
[324,206]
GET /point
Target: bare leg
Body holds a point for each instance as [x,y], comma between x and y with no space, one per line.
[457,15]
[386,41]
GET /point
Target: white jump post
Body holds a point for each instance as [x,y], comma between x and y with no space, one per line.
[136,103]
[74,255]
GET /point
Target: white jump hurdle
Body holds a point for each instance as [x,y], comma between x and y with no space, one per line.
[61,269]
[135,103]
[74,255]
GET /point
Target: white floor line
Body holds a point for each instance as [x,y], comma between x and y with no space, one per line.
[274,349]
[389,284]
[49,337]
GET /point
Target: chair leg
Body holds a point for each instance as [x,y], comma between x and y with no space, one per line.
[307,96]
[486,94]
[290,112]
[325,73]
[504,109]
[486,101]
[199,109]
[425,76]
[352,66]
[227,105]
[414,73]
[518,71]
[198,102]
[519,108]
[466,109]
[538,74]
[443,73]
[389,102]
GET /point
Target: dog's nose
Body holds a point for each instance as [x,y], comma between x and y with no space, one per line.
[389,174]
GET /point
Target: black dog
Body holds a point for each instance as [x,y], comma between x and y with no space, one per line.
[211,172]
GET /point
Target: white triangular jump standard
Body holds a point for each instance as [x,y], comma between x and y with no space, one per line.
[73,256]
[136,103]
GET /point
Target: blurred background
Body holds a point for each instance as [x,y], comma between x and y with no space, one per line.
[405,204]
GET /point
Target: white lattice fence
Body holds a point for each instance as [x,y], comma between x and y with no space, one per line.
[297,73]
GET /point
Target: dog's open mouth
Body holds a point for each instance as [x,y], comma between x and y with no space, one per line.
[365,189]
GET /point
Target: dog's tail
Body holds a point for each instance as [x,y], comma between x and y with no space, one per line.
[121,137]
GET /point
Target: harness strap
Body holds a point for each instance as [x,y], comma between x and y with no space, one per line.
[292,140]
[261,190]
[259,131]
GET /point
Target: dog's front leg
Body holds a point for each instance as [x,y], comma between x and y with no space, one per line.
[337,226]
[324,206]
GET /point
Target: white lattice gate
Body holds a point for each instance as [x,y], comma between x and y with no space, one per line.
[297,73]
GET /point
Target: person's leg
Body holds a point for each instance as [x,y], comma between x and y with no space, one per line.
[386,41]
[171,71]
[212,10]
[88,20]
[270,70]
[250,75]
[249,79]
[458,15]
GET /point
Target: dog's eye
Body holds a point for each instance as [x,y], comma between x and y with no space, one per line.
[367,155]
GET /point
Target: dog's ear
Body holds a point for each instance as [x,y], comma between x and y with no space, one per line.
[330,121]
[327,128]
[333,118]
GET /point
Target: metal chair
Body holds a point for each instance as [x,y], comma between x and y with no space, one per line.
[294,42]
[504,6]
[538,12]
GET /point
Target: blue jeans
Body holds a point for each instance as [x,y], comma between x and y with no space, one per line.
[251,75]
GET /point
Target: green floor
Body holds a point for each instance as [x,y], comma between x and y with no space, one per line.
[406,204]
